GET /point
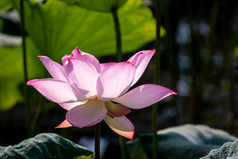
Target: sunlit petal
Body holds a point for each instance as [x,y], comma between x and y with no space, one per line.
[121,126]
[144,96]
[82,76]
[116,110]
[78,54]
[64,124]
[56,70]
[56,90]
[87,57]
[89,113]
[70,105]
[141,60]
[106,65]
[115,80]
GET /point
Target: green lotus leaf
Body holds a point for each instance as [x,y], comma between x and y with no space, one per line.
[45,145]
[5,5]
[227,151]
[187,141]
[11,73]
[57,28]
[98,5]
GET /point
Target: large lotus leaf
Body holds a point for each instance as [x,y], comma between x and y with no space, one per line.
[57,28]
[188,141]
[227,151]
[5,5]
[45,145]
[11,73]
[98,5]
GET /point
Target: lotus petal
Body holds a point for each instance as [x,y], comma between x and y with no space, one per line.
[121,125]
[144,96]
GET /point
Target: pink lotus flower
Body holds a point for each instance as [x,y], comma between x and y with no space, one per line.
[91,91]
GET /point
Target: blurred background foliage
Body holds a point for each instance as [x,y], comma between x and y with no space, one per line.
[199,52]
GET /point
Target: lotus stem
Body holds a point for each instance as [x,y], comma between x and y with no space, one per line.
[97,140]
[156,78]
[123,147]
[119,59]
[118,36]
[27,105]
